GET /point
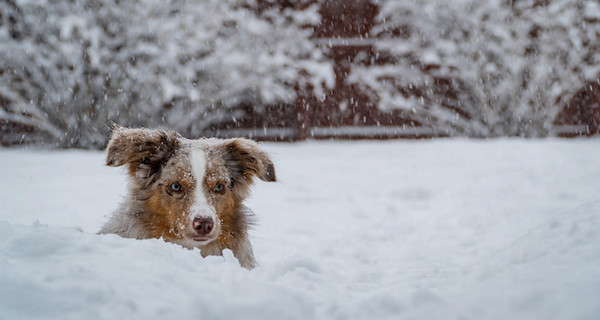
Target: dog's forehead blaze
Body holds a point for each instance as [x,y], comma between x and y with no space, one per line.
[207,162]
[198,163]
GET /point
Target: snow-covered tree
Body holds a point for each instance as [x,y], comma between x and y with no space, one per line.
[67,67]
[482,68]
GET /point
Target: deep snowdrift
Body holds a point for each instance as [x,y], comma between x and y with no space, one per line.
[451,229]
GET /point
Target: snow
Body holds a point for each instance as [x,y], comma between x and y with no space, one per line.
[443,229]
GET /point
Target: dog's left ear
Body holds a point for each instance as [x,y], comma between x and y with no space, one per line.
[246,160]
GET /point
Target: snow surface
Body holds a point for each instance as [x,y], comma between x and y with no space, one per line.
[445,229]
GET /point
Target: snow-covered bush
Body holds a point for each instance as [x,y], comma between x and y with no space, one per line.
[67,67]
[472,68]
[482,68]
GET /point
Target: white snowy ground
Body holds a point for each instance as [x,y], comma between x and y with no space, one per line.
[443,229]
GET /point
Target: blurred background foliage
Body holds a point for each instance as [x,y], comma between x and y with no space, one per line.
[291,70]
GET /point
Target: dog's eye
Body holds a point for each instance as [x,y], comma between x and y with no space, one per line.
[219,188]
[175,186]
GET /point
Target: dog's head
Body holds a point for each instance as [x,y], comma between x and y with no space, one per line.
[188,191]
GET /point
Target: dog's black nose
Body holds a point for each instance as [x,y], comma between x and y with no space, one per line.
[203,225]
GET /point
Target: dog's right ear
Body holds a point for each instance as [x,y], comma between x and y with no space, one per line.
[144,151]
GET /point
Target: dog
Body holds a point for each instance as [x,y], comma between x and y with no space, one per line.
[188,192]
